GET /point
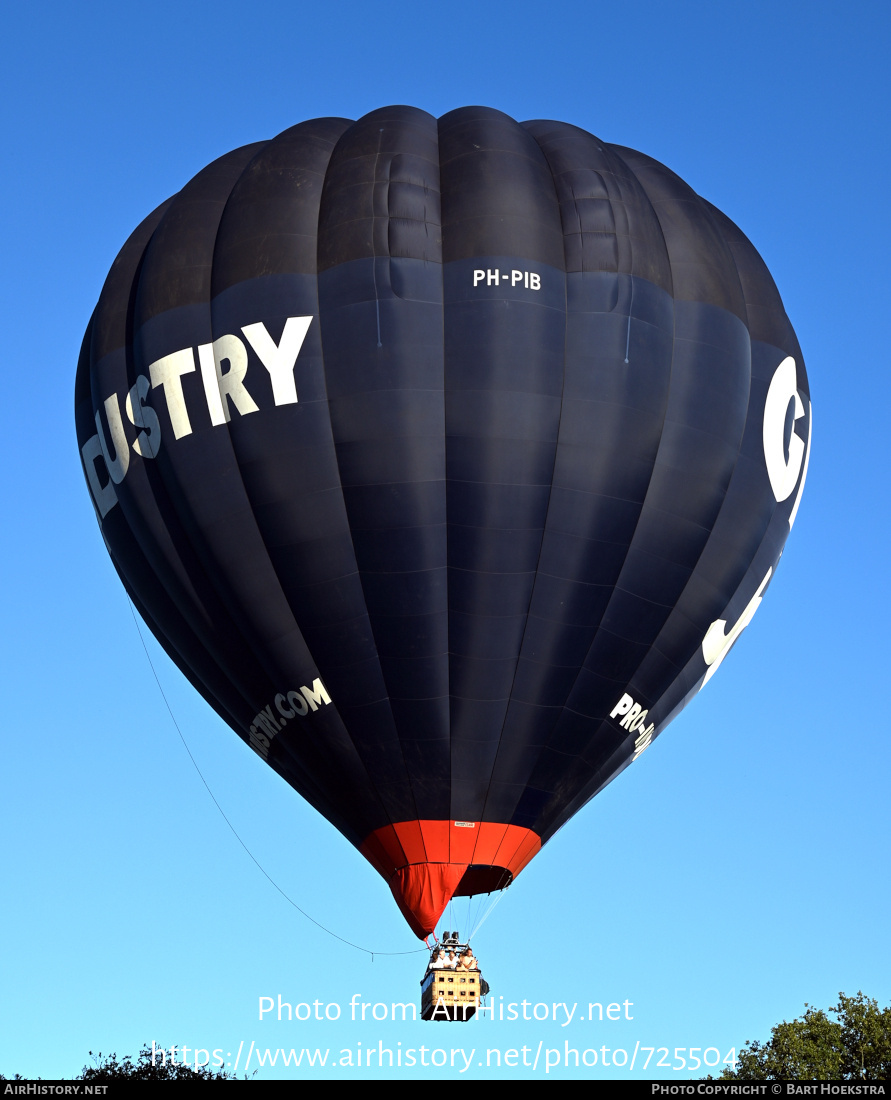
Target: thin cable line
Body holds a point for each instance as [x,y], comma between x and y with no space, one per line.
[489,911]
[290,901]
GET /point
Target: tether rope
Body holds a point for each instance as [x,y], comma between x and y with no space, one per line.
[302,912]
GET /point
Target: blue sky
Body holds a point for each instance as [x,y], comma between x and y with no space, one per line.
[740,869]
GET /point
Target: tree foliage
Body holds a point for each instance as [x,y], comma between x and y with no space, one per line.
[147,1068]
[107,1067]
[854,1046]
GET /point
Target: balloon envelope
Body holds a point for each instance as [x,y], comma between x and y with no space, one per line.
[447,459]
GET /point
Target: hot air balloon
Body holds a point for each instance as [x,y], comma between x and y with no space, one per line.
[447,459]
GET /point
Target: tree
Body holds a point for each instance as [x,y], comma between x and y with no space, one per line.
[145,1068]
[148,1068]
[856,1045]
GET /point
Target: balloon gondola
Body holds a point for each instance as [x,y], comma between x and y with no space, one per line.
[446,459]
[453,986]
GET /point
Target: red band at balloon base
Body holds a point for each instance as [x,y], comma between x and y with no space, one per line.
[427,863]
